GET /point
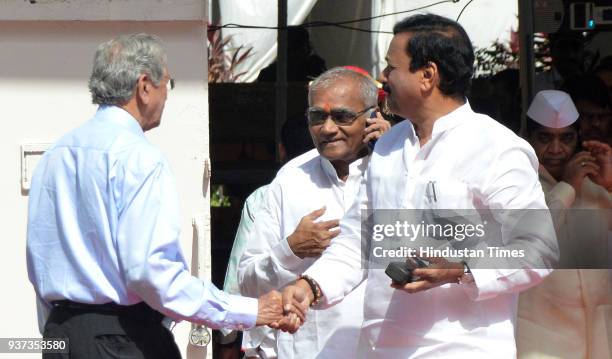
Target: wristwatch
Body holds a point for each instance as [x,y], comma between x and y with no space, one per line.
[466,277]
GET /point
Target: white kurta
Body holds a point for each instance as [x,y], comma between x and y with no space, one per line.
[305,184]
[569,315]
[477,164]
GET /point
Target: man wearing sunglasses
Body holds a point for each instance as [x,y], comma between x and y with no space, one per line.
[299,216]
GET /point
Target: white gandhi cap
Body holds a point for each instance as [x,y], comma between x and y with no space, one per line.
[552,108]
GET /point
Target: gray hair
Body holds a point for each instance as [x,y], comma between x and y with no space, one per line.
[119,62]
[367,86]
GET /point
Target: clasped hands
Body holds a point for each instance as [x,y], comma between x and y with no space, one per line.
[286,312]
[595,161]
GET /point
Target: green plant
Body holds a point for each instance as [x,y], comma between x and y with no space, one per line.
[500,56]
[218,198]
[494,59]
[223,61]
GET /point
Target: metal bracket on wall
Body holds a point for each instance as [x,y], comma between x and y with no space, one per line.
[207,174]
[30,155]
[199,336]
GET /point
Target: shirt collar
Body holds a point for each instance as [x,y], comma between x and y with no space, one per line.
[446,122]
[356,168]
[121,117]
[452,119]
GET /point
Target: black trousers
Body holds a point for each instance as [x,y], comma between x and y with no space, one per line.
[110,331]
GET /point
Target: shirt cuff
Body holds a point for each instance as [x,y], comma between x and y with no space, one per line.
[242,314]
[484,286]
[491,282]
[283,253]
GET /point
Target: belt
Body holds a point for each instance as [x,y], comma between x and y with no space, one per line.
[140,310]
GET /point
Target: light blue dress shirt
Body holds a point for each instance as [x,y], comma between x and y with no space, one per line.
[103,226]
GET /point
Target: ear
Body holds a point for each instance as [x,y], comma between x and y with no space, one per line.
[429,79]
[143,89]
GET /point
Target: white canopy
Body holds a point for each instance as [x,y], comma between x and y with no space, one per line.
[263,41]
[484,20]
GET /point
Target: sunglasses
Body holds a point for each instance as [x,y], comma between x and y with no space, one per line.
[341,117]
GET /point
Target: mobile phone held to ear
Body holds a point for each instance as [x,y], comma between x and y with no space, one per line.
[401,272]
[372,142]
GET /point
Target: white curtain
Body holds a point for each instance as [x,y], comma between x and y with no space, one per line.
[339,46]
[263,41]
[484,20]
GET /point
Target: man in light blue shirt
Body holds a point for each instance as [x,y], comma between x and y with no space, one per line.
[103,225]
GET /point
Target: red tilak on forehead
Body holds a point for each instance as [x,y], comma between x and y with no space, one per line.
[327,108]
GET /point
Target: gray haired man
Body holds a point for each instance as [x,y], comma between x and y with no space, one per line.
[103,227]
[298,216]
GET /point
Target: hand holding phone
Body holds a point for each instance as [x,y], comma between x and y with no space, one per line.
[376,126]
[401,272]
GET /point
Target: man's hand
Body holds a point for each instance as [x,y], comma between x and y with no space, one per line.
[270,308]
[297,296]
[603,157]
[582,164]
[309,238]
[375,128]
[439,272]
[276,314]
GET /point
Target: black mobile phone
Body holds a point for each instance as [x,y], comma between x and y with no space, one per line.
[401,272]
[372,143]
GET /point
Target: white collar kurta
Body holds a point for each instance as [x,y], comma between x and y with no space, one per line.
[476,164]
[305,184]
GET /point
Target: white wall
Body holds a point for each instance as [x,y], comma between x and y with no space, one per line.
[104,10]
[44,67]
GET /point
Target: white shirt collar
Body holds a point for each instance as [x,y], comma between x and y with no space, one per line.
[452,119]
[120,117]
[446,122]
[356,168]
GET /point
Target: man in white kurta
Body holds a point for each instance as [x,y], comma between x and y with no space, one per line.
[321,184]
[453,311]
[569,315]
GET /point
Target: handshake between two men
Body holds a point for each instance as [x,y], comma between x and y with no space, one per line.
[287,311]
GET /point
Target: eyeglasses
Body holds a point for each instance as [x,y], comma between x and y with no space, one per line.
[341,117]
[170,84]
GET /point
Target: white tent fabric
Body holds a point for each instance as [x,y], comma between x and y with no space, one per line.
[484,20]
[339,46]
[263,41]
